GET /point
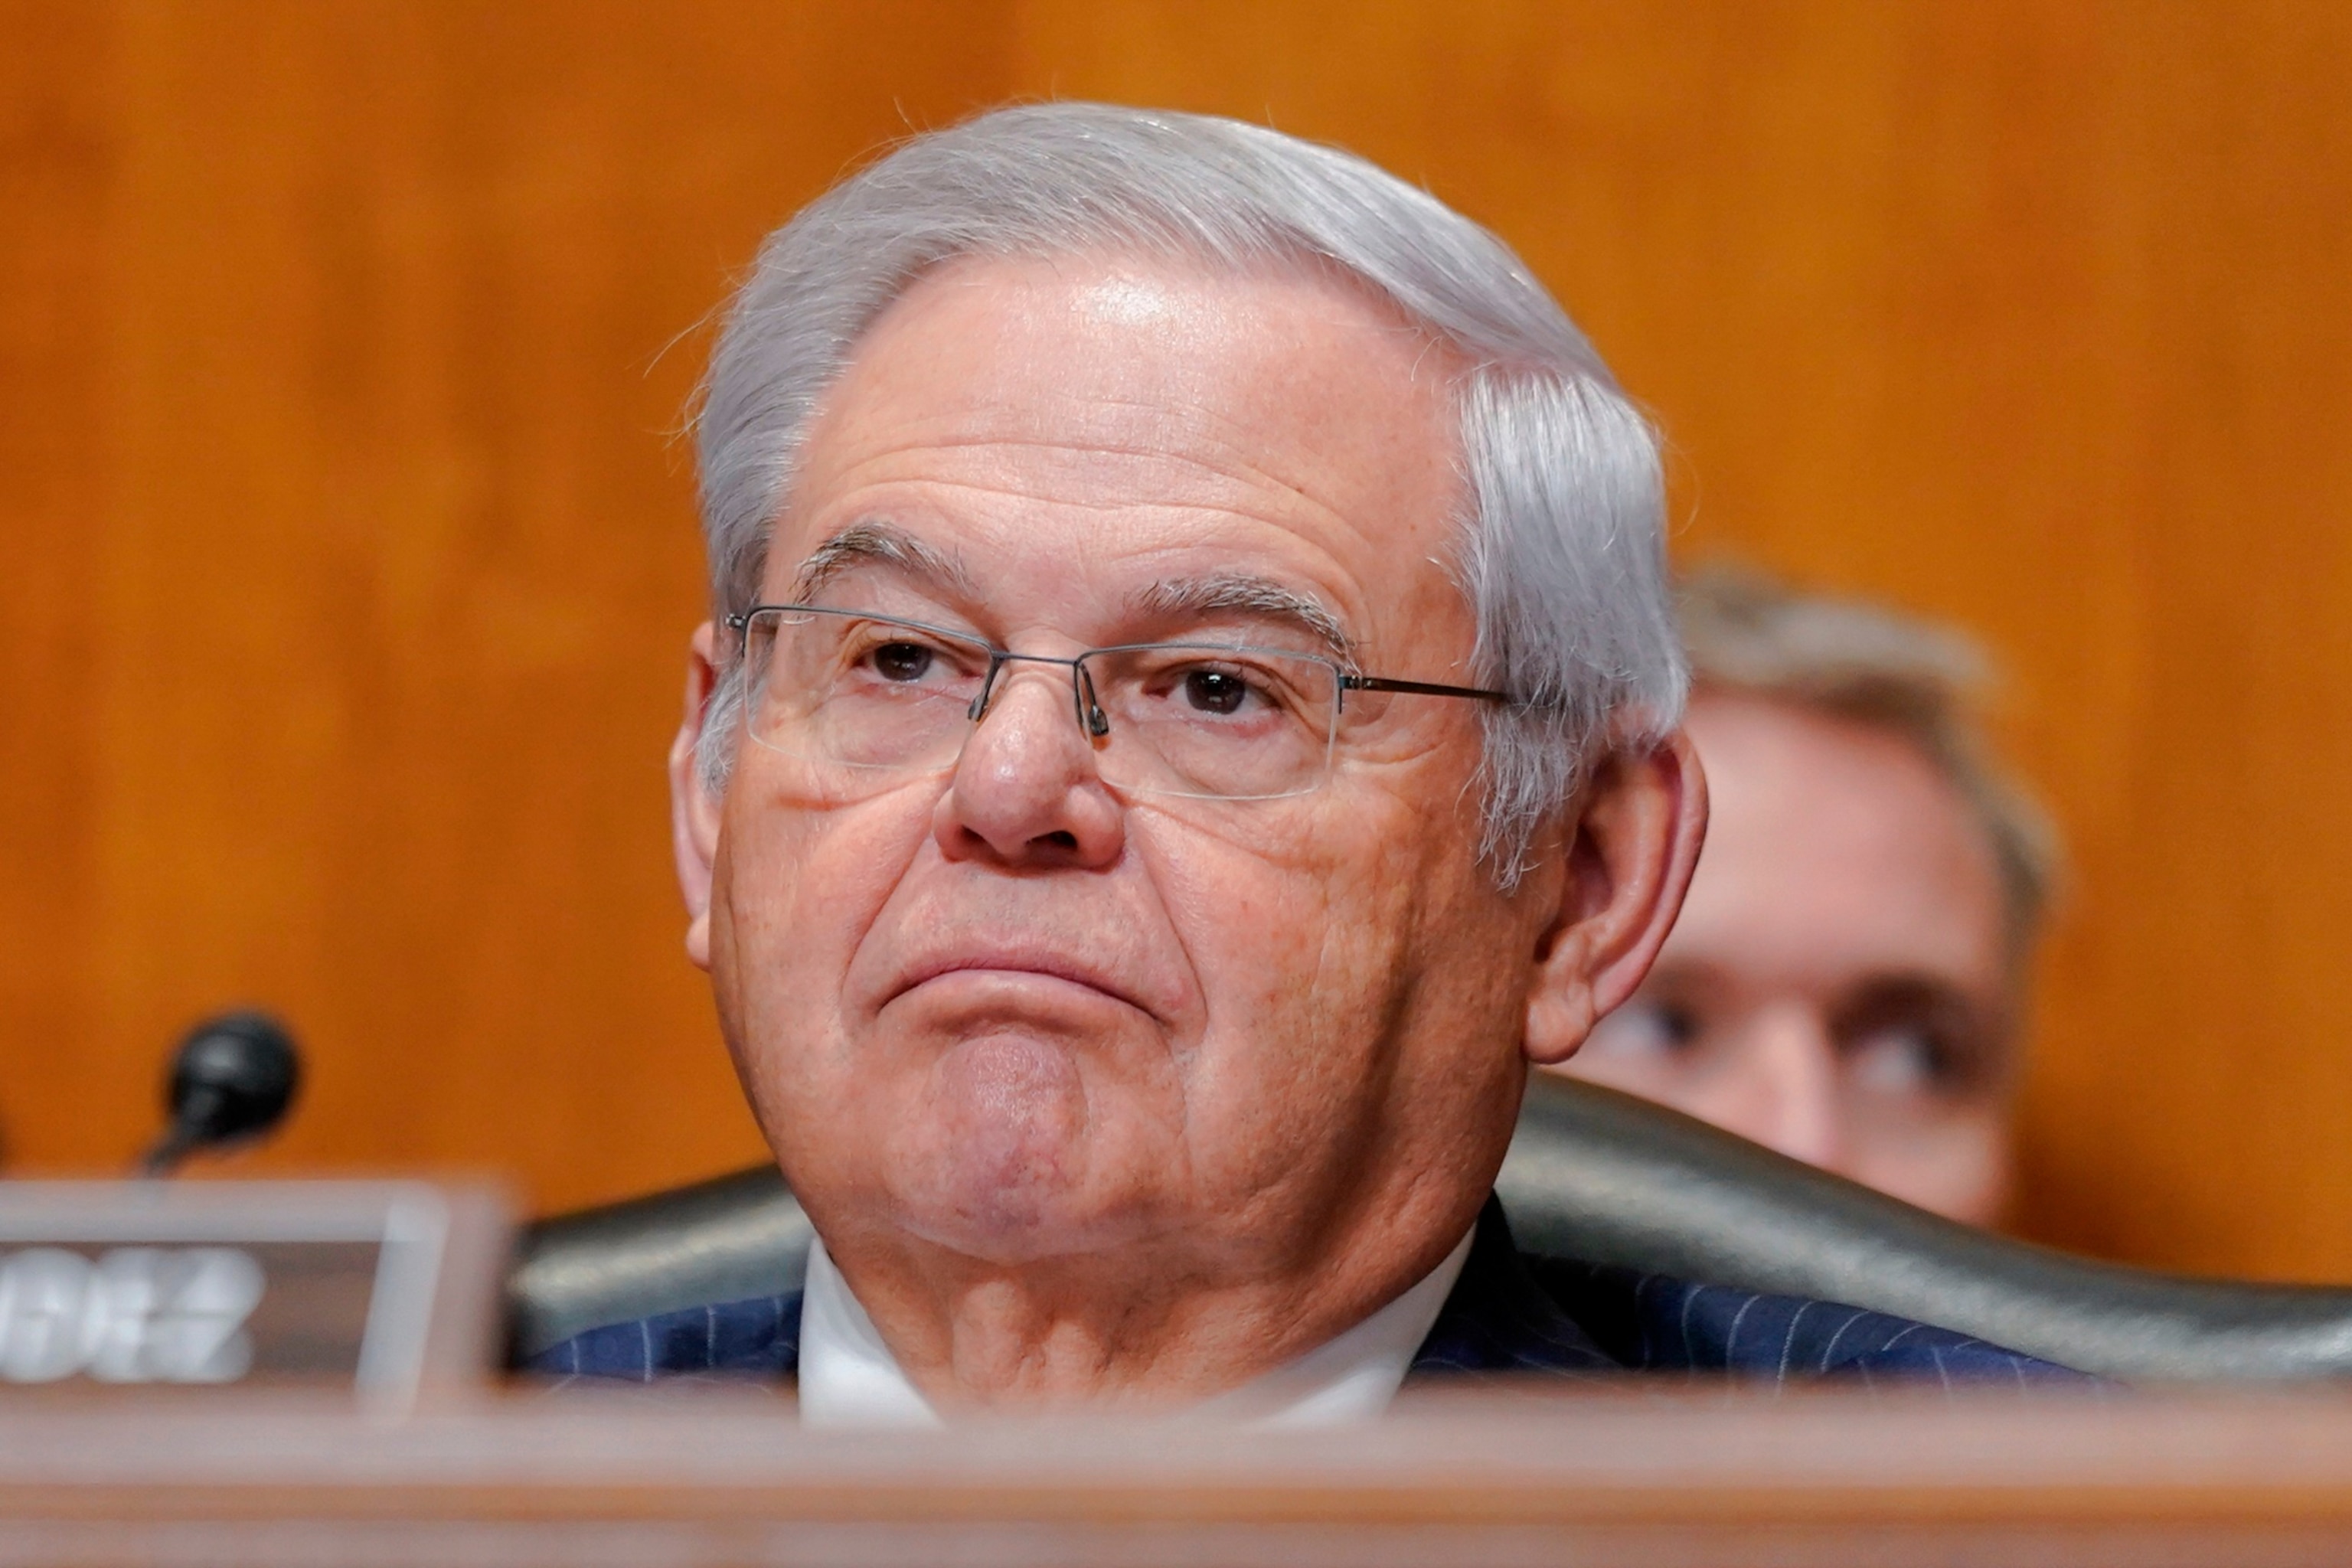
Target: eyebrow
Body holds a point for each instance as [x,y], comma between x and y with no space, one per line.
[1245,593]
[878,543]
[875,543]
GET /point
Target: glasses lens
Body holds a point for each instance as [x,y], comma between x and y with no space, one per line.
[1231,724]
[859,691]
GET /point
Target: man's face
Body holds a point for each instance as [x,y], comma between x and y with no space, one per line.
[1838,985]
[1003,1008]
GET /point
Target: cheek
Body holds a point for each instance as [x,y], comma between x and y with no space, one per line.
[1300,937]
[1259,904]
[1958,1167]
[795,892]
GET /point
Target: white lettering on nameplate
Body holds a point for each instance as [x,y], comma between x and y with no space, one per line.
[137,1314]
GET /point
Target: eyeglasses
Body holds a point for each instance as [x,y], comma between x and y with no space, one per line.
[849,690]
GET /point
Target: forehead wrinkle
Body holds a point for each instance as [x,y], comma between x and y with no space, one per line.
[1228,592]
[1234,449]
[873,541]
[1228,462]
[1235,452]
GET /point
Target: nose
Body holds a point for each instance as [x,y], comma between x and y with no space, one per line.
[1780,1087]
[1024,792]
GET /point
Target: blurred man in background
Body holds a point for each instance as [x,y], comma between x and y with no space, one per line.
[1846,982]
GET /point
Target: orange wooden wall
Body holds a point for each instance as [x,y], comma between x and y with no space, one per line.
[348,562]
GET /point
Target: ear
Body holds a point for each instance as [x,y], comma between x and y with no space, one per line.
[693,809]
[1631,849]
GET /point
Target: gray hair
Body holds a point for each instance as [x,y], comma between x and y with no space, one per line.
[1924,682]
[1562,555]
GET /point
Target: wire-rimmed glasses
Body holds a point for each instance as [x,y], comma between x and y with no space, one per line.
[853,690]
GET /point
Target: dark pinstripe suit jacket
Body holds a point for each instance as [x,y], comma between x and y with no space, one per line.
[1509,1312]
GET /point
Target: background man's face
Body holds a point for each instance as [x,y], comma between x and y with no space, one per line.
[1837,986]
[1000,1007]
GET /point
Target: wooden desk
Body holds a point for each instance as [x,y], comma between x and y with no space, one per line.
[711,1476]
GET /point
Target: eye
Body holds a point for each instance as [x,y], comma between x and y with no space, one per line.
[1644,1029]
[1911,1037]
[902,661]
[1215,690]
[1903,1059]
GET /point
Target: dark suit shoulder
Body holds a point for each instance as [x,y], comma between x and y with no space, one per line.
[758,1337]
[1652,1322]
[1516,1313]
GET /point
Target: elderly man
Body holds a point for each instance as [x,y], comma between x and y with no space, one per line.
[1190,715]
[1846,979]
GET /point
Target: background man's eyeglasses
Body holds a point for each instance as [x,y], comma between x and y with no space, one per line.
[850,691]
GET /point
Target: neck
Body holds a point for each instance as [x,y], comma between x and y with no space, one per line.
[1116,1331]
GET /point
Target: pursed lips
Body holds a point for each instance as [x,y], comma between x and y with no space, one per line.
[1047,965]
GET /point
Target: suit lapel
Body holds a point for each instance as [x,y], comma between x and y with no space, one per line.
[1498,1319]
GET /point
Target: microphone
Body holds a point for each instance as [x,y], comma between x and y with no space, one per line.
[231,1081]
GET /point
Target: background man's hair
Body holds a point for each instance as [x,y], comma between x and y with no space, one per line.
[1745,632]
[1561,555]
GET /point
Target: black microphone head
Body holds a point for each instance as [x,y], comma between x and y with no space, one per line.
[233,1078]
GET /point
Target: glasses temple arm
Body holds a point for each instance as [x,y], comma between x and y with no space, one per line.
[1419,687]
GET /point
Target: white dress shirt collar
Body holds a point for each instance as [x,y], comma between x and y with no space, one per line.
[850,1378]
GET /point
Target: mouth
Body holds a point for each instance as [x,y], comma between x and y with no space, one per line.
[1018,965]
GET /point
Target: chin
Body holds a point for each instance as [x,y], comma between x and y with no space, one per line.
[999,1158]
[1008,1227]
